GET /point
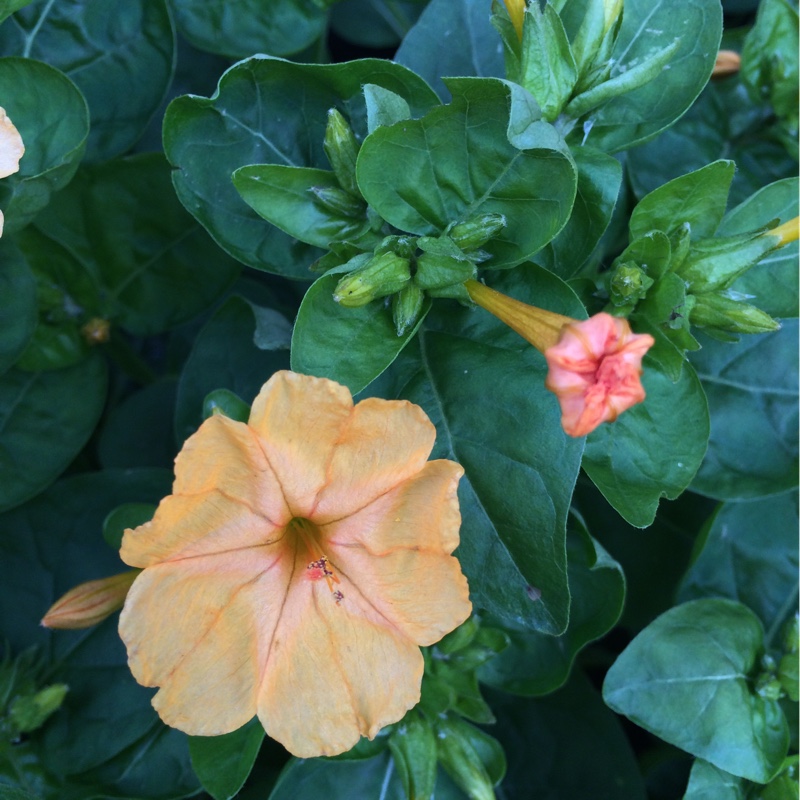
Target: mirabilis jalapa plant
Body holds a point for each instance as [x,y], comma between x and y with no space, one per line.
[472,259]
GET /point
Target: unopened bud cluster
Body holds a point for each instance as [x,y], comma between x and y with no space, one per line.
[409,268]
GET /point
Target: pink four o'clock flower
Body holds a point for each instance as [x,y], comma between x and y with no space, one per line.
[11,151]
[595,365]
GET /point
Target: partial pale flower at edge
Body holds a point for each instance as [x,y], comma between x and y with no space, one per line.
[11,151]
[595,365]
[300,563]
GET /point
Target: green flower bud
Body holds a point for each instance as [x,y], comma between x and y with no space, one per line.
[338,202]
[381,276]
[629,284]
[403,246]
[713,264]
[341,148]
[719,311]
[460,759]
[438,272]
[476,231]
[29,712]
[406,307]
[413,747]
[768,687]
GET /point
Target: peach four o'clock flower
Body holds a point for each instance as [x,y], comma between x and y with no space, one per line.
[11,151]
[300,563]
[595,365]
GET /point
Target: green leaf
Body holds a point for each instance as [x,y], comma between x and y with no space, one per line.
[749,553]
[224,356]
[45,419]
[8,7]
[280,27]
[457,162]
[222,401]
[384,107]
[751,388]
[773,283]
[688,678]
[597,589]
[106,741]
[222,763]
[483,388]
[648,26]
[565,745]
[39,98]
[285,197]
[599,179]
[707,782]
[349,345]
[268,111]
[17,304]
[138,432]
[122,221]
[697,200]
[124,77]
[128,515]
[452,37]
[654,449]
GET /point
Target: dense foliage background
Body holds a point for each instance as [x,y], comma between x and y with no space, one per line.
[635,592]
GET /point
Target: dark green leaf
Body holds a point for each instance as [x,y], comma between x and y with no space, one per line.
[120,56]
[374,23]
[457,162]
[723,123]
[349,345]
[750,554]
[772,284]
[599,177]
[39,98]
[453,37]
[8,7]
[139,432]
[344,780]
[280,27]
[483,387]
[128,515]
[224,356]
[752,398]
[647,26]
[17,305]
[267,111]
[535,663]
[45,419]
[688,678]
[566,745]
[651,451]
[222,763]
[106,739]
[697,200]
[123,222]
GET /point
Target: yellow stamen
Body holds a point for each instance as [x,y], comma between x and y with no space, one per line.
[788,232]
[540,327]
[516,10]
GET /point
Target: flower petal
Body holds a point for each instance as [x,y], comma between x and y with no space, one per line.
[395,554]
[335,673]
[384,443]
[199,630]
[299,420]
[187,527]
[11,146]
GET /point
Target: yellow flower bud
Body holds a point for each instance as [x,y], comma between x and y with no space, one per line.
[90,602]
